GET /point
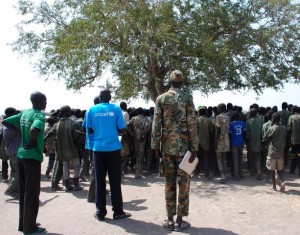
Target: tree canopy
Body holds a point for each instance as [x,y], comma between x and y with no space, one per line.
[217,44]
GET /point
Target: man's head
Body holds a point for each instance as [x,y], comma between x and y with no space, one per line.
[77,113]
[123,106]
[202,110]
[269,114]
[66,111]
[105,96]
[96,99]
[253,112]
[229,106]
[38,100]
[10,111]
[284,105]
[176,78]
[295,109]
[235,116]
[140,111]
[221,108]
[275,118]
[51,121]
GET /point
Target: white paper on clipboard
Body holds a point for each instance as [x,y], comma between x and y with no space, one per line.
[186,166]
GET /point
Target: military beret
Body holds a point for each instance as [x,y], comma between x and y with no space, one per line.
[201,107]
[176,76]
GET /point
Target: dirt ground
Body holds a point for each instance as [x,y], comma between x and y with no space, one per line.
[245,207]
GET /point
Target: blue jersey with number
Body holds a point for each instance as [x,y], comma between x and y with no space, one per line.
[236,128]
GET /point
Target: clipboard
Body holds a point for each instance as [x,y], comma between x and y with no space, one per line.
[186,166]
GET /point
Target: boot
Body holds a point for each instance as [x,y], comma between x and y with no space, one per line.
[77,187]
[68,185]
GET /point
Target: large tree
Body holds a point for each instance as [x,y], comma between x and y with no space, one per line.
[218,44]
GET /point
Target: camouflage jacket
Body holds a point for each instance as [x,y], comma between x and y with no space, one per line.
[49,142]
[138,127]
[174,127]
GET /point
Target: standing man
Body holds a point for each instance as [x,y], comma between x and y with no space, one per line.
[254,138]
[293,128]
[31,124]
[138,128]
[105,122]
[222,142]
[12,141]
[174,131]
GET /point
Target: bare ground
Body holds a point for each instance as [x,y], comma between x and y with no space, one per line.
[245,207]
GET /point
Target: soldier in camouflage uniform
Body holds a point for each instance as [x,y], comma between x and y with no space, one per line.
[49,144]
[174,131]
[222,142]
[138,128]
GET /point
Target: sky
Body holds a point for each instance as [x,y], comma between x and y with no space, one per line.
[19,79]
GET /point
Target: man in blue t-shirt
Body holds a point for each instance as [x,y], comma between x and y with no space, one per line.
[237,131]
[105,122]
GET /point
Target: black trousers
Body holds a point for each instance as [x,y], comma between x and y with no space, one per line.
[29,188]
[4,169]
[108,162]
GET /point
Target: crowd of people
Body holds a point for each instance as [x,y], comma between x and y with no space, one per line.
[114,140]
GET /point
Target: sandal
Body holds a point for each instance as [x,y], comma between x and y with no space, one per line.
[122,216]
[168,225]
[181,226]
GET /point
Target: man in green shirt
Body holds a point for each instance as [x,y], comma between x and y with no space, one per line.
[31,123]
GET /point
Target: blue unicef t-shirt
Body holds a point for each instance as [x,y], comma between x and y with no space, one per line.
[105,119]
[236,129]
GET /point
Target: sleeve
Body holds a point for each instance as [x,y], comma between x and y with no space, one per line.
[88,120]
[14,120]
[39,122]
[126,117]
[157,125]
[129,127]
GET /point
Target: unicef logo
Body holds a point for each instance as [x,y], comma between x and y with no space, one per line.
[111,114]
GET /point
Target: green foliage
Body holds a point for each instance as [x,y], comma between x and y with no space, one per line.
[218,44]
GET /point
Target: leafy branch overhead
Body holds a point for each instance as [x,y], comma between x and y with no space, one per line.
[218,44]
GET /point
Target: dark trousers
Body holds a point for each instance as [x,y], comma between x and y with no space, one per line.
[4,169]
[295,158]
[29,189]
[205,158]
[51,161]
[108,162]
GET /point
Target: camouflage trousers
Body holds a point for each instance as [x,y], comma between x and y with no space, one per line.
[172,174]
[139,151]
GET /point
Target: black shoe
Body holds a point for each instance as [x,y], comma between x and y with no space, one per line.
[14,195]
[122,216]
[39,230]
[20,229]
[99,217]
[56,188]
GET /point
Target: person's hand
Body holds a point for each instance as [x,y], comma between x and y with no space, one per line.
[157,153]
[192,158]
[30,145]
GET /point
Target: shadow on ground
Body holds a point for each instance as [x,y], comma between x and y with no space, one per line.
[133,226]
